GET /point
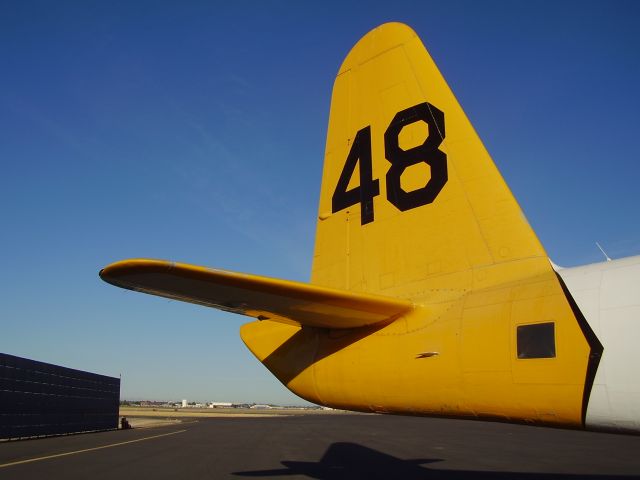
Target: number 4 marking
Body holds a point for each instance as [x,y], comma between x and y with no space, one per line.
[369,188]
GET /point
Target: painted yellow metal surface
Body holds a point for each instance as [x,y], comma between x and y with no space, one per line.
[469,259]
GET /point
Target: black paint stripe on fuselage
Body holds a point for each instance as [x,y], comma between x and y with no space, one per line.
[596,348]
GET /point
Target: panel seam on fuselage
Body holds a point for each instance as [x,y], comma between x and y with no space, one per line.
[595,352]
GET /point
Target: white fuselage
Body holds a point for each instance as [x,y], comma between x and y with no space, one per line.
[608,294]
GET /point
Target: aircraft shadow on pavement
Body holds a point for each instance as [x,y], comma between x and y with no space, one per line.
[344,460]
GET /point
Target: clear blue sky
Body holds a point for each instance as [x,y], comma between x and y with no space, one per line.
[194,132]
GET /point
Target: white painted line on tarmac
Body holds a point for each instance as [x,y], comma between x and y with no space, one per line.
[37,459]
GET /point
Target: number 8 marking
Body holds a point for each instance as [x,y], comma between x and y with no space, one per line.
[427,152]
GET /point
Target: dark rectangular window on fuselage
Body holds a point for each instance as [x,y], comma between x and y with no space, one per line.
[537,340]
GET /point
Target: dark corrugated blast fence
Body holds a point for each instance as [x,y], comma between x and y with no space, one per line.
[38,398]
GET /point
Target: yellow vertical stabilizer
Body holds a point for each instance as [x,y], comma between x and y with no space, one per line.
[410,198]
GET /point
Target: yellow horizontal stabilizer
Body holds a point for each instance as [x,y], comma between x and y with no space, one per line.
[260,297]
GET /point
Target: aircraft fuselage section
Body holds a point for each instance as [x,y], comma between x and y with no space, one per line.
[608,294]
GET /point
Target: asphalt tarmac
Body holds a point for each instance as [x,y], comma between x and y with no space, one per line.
[327,447]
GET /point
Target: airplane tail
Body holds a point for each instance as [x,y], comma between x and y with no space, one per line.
[411,208]
[410,200]
[421,252]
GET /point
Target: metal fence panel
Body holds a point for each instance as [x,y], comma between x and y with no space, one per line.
[38,398]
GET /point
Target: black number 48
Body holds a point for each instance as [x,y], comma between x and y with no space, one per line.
[400,160]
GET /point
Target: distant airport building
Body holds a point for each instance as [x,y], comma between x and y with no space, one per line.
[38,399]
[184,403]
